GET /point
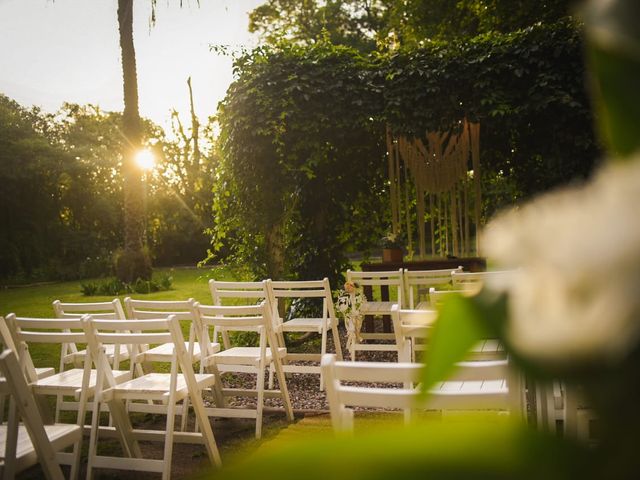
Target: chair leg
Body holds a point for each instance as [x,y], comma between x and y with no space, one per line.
[282,383]
[260,400]
[336,341]
[202,423]
[271,376]
[122,422]
[168,441]
[185,414]
[323,350]
[93,438]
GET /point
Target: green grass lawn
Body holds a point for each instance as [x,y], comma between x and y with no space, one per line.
[37,301]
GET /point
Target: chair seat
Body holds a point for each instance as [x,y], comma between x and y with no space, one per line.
[303,325]
[110,350]
[245,355]
[475,395]
[424,305]
[157,385]
[165,352]
[377,308]
[45,372]
[69,382]
[60,436]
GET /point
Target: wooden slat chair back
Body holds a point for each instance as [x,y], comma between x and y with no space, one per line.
[438,297]
[238,293]
[113,310]
[412,329]
[418,282]
[487,385]
[78,384]
[7,341]
[182,310]
[255,360]
[24,445]
[166,389]
[68,384]
[288,292]
[185,312]
[475,280]
[387,283]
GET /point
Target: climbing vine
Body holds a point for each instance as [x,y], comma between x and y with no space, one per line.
[303,177]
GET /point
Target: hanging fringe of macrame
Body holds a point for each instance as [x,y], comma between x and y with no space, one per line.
[439,165]
[392,155]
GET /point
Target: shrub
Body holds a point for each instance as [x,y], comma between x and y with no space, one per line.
[114,287]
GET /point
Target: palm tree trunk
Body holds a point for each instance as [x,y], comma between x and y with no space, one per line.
[134,262]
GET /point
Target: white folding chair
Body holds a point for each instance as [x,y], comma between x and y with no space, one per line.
[294,293]
[70,353]
[77,383]
[474,281]
[24,445]
[393,282]
[418,282]
[183,310]
[488,385]
[255,360]
[238,293]
[7,341]
[165,389]
[412,329]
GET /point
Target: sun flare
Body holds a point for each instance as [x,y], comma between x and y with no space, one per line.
[145,159]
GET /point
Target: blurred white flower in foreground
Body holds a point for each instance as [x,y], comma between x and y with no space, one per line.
[577,295]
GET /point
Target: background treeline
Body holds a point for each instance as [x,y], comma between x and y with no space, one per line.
[61,201]
[300,178]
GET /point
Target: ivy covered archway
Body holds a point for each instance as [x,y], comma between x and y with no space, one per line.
[304,175]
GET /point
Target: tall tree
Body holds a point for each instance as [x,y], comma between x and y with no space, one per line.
[369,24]
[134,262]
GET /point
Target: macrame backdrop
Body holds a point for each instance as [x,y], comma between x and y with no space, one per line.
[436,170]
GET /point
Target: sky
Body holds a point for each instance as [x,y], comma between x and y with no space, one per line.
[68,51]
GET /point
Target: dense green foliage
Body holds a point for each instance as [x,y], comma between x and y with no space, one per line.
[62,199]
[303,171]
[303,176]
[386,24]
[526,88]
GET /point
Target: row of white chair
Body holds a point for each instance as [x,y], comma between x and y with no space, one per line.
[140,388]
[411,287]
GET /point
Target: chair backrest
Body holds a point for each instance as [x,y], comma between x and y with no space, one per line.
[25,330]
[236,318]
[418,282]
[182,310]
[409,325]
[27,409]
[343,394]
[390,279]
[475,280]
[299,289]
[107,310]
[138,334]
[247,293]
[438,297]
